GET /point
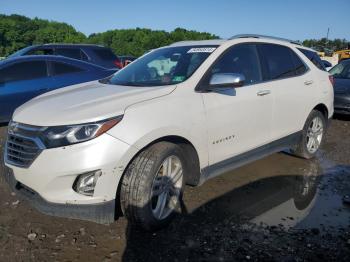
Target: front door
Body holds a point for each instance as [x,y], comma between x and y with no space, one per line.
[238,119]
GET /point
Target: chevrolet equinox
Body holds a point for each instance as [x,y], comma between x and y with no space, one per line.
[180,114]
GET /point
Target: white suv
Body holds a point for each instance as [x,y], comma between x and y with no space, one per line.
[178,115]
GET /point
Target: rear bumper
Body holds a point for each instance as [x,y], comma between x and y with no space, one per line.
[102,213]
[342,104]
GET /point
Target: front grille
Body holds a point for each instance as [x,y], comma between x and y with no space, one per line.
[23,145]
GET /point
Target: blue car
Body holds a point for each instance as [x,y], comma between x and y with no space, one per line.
[25,77]
[94,54]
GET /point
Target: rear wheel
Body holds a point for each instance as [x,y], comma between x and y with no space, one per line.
[312,135]
[152,186]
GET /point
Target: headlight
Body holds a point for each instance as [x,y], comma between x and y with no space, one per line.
[58,136]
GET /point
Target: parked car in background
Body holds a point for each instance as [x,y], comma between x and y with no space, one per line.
[341,74]
[181,114]
[125,60]
[95,54]
[25,77]
[343,54]
[323,51]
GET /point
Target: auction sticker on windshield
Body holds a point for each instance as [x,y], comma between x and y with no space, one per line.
[201,50]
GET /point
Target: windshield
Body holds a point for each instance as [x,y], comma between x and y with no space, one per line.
[341,70]
[165,66]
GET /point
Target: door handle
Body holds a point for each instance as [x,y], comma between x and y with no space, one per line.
[308,82]
[263,92]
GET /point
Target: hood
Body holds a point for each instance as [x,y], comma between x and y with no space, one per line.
[341,86]
[84,103]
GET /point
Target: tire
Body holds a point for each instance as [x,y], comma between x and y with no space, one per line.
[147,186]
[303,148]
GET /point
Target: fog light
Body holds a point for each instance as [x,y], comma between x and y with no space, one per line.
[85,183]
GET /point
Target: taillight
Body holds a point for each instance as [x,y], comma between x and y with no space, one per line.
[118,64]
[331,79]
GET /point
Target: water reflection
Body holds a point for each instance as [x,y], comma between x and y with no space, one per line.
[280,190]
[239,207]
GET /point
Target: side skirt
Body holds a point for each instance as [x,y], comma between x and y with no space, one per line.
[250,156]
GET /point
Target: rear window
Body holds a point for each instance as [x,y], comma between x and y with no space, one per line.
[314,58]
[69,52]
[46,51]
[300,67]
[63,68]
[23,71]
[104,54]
[277,60]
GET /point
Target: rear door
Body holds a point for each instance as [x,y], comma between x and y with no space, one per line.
[239,119]
[19,82]
[64,74]
[292,86]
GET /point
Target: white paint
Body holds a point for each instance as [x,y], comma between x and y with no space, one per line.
[152,113]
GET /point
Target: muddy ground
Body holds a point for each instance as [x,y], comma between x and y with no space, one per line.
[280,208]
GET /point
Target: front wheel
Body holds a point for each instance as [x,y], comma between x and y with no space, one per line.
[152,186]
[312,135]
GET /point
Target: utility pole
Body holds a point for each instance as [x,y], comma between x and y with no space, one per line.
[327,34]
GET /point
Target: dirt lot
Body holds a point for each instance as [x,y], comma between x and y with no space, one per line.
[280,208]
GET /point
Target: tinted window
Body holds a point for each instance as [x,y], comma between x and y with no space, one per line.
[69,52]
[313,57]
[62,68]
[23,71]
[242,59]
[277,60]
[104,54]
[41,52]
[300,67]
[83,56]
[341,70]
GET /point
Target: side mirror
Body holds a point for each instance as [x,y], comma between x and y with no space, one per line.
[226,80]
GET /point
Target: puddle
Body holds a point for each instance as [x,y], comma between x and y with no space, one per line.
[280,190]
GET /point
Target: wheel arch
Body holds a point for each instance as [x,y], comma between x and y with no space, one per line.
[190,153]
[323,109]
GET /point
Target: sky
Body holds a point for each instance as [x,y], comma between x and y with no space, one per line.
[292,19]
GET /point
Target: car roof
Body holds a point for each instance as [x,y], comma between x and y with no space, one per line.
[50,58]
[249,37]
[200,42]
[70,45]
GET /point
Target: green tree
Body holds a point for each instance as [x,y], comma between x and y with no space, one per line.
[18,31]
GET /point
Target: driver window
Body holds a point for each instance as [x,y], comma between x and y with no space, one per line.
[242,59]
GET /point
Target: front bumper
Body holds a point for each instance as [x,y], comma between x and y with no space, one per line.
[102,213]
[48,182]
[342,104]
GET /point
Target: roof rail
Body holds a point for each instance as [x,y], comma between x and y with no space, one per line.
[265,36]
[71,44]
